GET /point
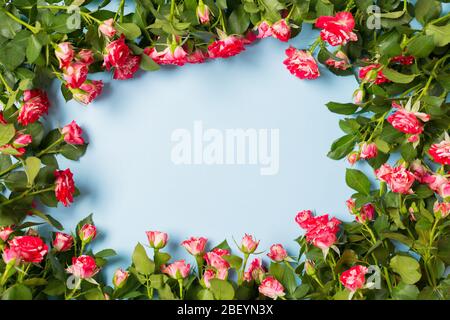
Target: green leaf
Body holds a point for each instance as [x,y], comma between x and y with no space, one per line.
[404,291]
[234,261]
[407,267]
[342,108]
[141,261]
[105,253]
[342,146]
[301,291]
[47,218]
[8,27]
[440,34]
[426,10]
[148,64]
[398,77]
[17,292]
[32,167]
[73,152]
[358,181]
[7,132]
[222,289]
[238,20]
[408,152]
[130,30]
[285,275]
[421,46]
[34,48]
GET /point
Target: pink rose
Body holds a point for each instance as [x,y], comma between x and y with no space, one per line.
[34,106]
[75,74]
[281,30]
[277,253]
[225,48]
[120,277]
[368,150]
[303,218]
[216,261]
[270,287]
[337,30]
[88,91]
[358,96]
[419,171]
[65,54]
[406,121]
[87,233]
[62,242]
[203,13]
[30,248]
[107,28]
[221,252]
[22,140]
[119,57]
[195,246]
[64,186]
[83,267]
[354,278]
[441,152]
[399,178]
[72,133]
[441,208]
[255,271]
[11,256]
[365,72]
[176,56]
[156,239]
[367,213]
[5,232]
[196,57]
[342,64]
[128,69]
[210,274]
[85,56]
[444,191]
[177,270]
[301,64]
[320,231]
[248,244]
[264,30]
[353,157]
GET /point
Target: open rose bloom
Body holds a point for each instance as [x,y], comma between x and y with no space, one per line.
[272,288]
[177,270]
[354,278]
[195,246]
[301,64]
[83,267]
[338,29]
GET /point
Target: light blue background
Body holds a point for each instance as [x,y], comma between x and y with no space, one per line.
[127,178]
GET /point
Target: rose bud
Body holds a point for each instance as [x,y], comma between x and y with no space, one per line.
[156,239]
[5,232]
[368,150]
[87,233]
[120,278]
[255,271]
[72,133]
[30,248]
[195,246]
[277,253]
[22,140]
[310,267]
[107,28]
[203,12]
[83,267]
[354,278]
[65,53]
[11,256]
[353,157]
[248,245]
[64,186]
[88,91]
[85,56]
[207,276]
[264,30]
[441,210]
[63,242]
[358,96]
[270,287]
[177,270]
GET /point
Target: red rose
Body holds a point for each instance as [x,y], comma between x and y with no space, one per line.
[22,140]
[83,267]
[35,104]
[337,30]
[380,78]
[354,278]
[29,248]
[225,48]
[281,30]
[196,57]
[320,231]
[62,242]
[301,64]
[85,56]
[441,152]
[128,69]
[404,60]
[117,53]
[65,186]
[72,133]
[88,91]
[407,121]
